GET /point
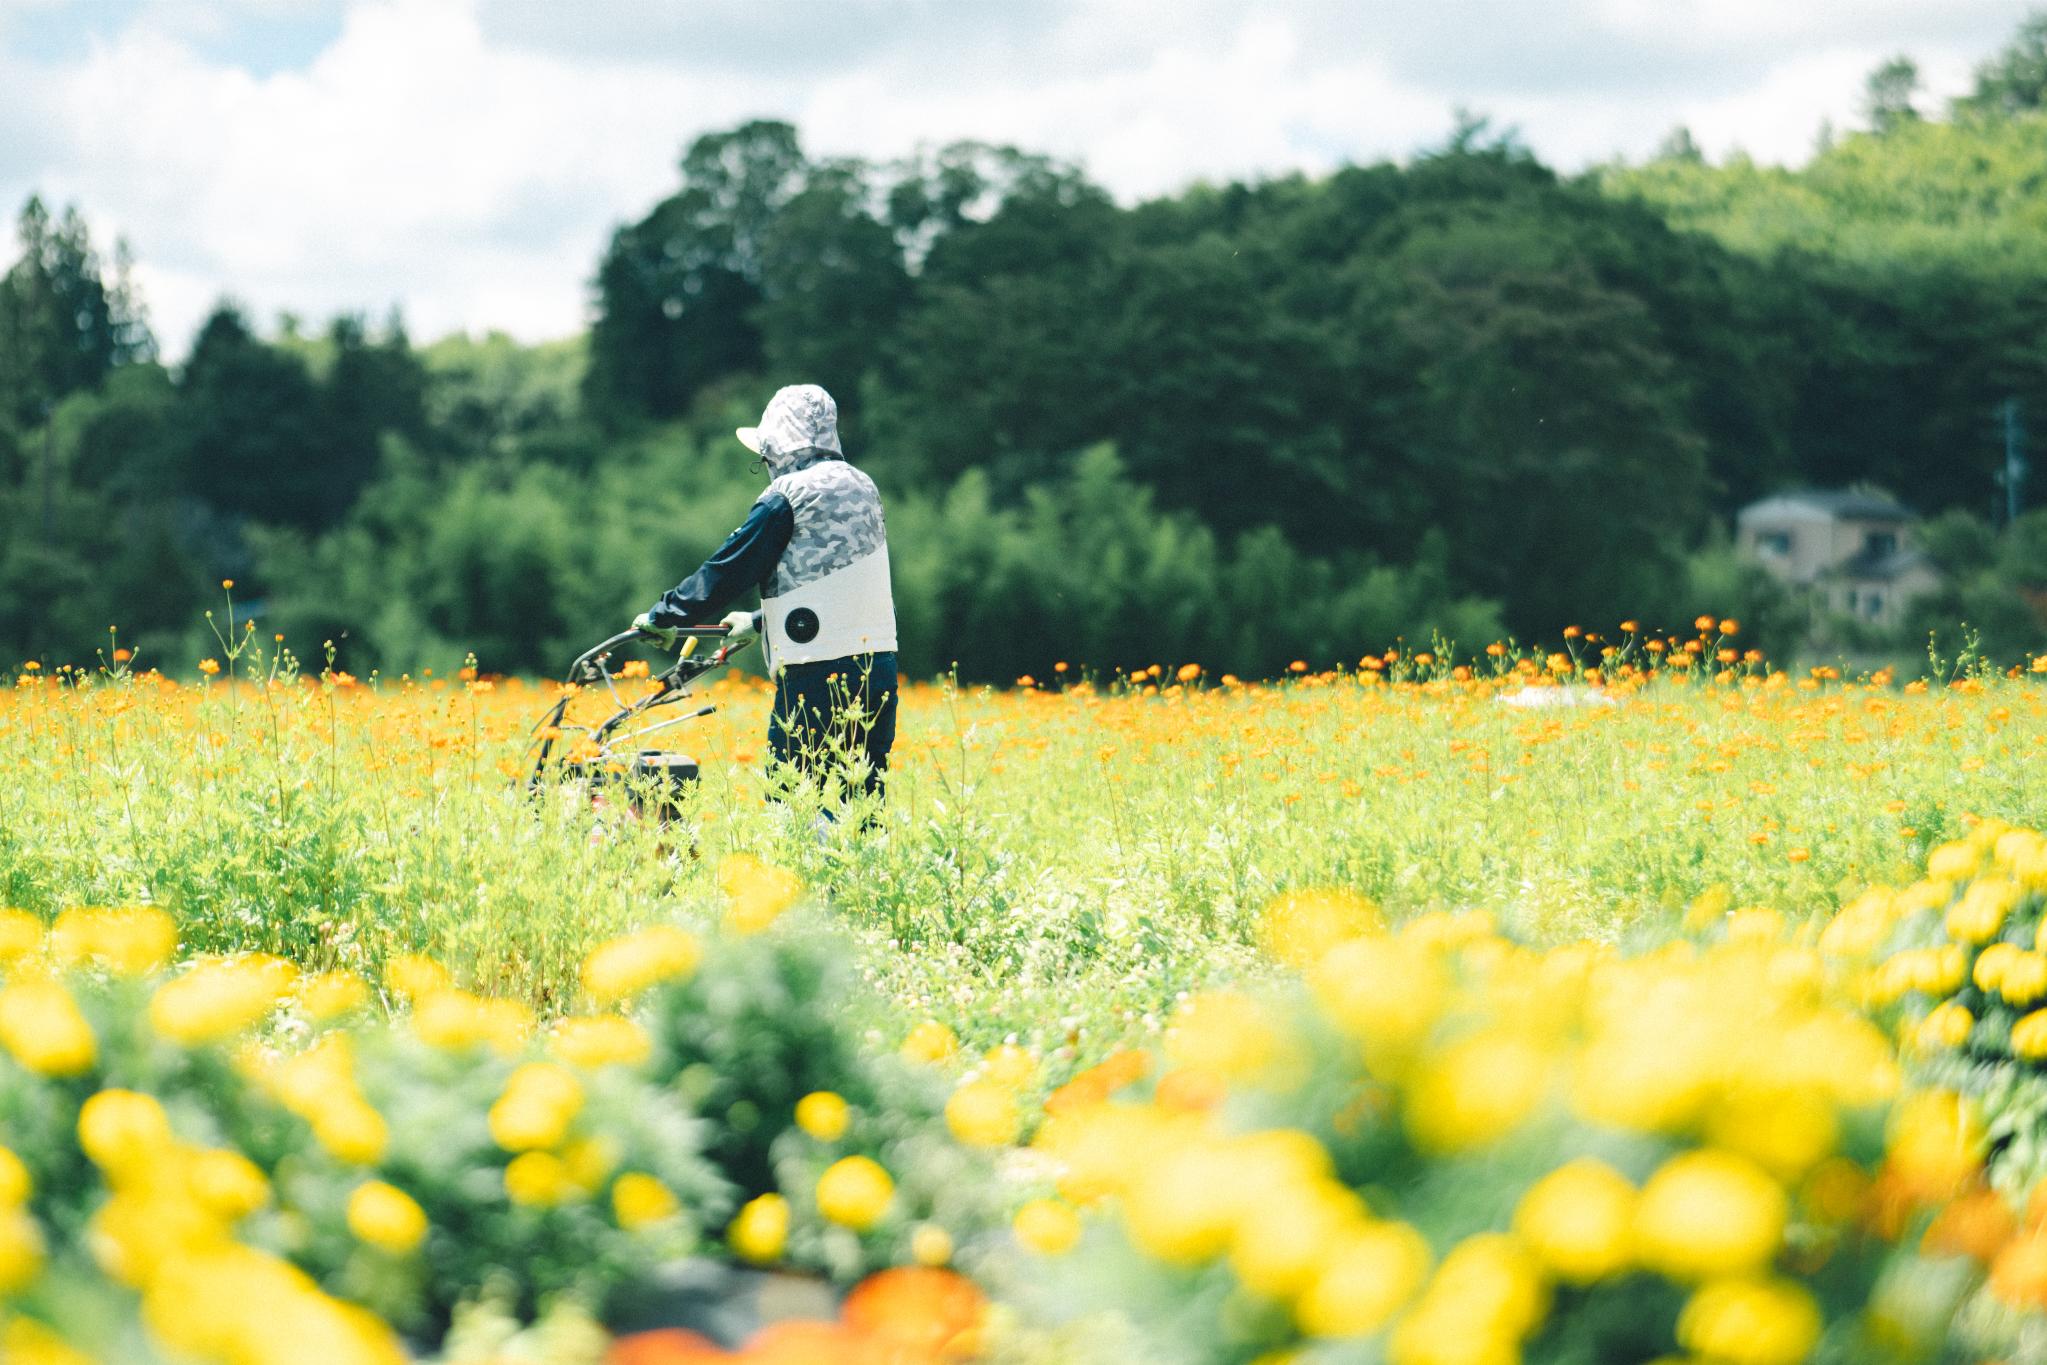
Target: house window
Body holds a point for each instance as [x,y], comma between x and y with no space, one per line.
[1880,542]
[1854,601]
[1774,542]
[1874,605]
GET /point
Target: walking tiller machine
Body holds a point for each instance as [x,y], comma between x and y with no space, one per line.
[610,762]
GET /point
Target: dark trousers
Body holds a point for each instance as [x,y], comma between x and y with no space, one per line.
[829,713]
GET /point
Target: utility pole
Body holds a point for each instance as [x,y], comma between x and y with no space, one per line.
[2014,458]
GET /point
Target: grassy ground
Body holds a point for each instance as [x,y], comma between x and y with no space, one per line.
[1054,865]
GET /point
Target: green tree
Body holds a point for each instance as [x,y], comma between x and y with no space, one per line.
[1888,94]
[2015,80]
[677,291]
[833,282]
[64,323]
[250,418]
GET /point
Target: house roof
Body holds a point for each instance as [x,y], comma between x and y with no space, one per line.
[1854,503]
[1883,566]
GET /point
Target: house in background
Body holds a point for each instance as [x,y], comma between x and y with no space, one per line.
[1853,548]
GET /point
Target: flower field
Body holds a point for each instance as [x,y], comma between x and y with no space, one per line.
[1397,1013]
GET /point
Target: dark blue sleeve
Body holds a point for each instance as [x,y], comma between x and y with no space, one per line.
[741,564]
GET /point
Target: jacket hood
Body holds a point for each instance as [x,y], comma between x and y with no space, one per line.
[800,427]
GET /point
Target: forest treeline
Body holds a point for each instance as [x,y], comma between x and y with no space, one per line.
[1242,424]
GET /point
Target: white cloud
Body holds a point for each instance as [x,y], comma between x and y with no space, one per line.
[466,158]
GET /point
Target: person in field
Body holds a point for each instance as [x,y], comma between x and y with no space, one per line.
[816,548]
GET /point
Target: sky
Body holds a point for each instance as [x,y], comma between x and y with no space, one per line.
[466,160]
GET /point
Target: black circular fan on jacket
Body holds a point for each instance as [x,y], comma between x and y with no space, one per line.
[800,625]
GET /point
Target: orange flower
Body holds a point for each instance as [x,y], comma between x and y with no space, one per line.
[669,1346]
[934,1313]
[1097,1083]
[1976,1225]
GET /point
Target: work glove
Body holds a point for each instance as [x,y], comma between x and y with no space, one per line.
[661,635]
[741,623]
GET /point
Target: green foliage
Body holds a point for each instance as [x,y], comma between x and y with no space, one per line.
[1462,380]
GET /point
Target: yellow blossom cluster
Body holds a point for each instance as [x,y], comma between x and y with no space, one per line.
[1694,1103]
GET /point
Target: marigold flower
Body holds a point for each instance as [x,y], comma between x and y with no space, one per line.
[386,1218]
[639,1199]
[626,966]
[597,1040]
[982,1114]
[1579,1221]
[539,1102]
[15,1182]
[1709,1213]
[855,1192]
[1367,1278]
[539,1180]
[759,892]
[931,1042]
[1750,1322]
[41,1025]
[21,1253]
[123,1131]
[1048,1227]
[219,998]
[823,1115]
[761,1229]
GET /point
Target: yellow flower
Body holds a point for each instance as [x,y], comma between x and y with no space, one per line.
[456,1020]
[21,1252]
[982,1114]
[638,1199]
[1010,1066]
[1366,1278]
[1047,1226]
[1982,909]
[15,1182]
[823,1115]
[127,942]
[597,1040]
[24,1341]
[1707,1214]
[761,1229]
[539,1180]
[1785,1131]
[930,1245]
[386,1218]
[1298,928]
[123,1131]
[855,1192]
[1224,1033]
[1384,992]
[2024,979]
[1182,1202]
[21,936]
[759,892]
[589,1161]
[412,975]
[1946,1028]
[540,1100]
[1287,1230]
[1750,1322]
[1579,1221]
[2029,1036]
[930,1042]
[329,995]
[351,1130]
[41,1025]
[227,1183]
[219,998]
[1476,1091]
[635,962]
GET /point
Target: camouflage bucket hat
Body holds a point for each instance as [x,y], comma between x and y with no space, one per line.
[799,418]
